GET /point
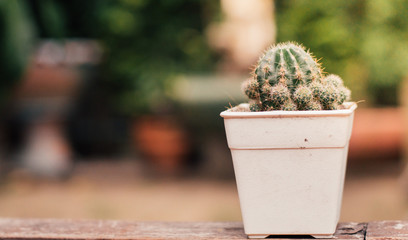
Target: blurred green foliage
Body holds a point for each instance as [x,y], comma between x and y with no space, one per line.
[149,42]
[364,41]
[146,43]
[21,23]
[17,34]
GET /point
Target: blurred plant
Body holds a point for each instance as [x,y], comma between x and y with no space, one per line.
[364,41]
[146,43]
[162,39]
[21,23]
[17,38]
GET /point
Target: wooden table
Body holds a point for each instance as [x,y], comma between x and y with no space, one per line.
[98,229]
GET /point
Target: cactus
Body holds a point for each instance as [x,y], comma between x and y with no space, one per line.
[289,78]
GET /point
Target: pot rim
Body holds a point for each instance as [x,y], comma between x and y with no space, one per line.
[349,109]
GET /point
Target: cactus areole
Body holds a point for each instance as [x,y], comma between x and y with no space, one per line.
[287,77]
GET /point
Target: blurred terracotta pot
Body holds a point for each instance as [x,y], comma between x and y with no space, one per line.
[163,142]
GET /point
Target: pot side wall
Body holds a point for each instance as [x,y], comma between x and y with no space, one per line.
[290,169]
[290,191]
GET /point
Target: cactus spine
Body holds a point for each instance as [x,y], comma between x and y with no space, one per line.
[287,77]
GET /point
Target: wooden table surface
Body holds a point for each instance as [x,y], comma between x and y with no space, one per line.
[98,229]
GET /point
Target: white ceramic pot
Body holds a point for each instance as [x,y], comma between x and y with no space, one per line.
[290,168]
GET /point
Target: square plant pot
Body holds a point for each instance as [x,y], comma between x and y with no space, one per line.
[290,168]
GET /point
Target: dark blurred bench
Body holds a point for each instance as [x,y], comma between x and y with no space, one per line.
[97,229]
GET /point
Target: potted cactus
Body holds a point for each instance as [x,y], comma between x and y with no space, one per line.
[289,145]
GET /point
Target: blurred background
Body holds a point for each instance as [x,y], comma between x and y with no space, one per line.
[110,109]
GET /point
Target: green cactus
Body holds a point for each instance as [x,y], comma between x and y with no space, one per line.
[287,77]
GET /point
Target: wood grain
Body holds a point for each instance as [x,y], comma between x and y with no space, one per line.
[387,230]
[97,229]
